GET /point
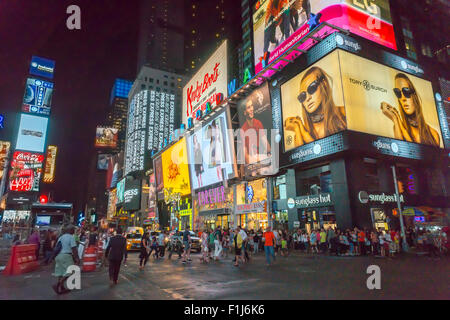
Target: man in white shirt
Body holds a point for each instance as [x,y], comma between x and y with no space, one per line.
[244,244]
[161,247]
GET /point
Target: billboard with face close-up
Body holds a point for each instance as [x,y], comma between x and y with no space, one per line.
[279,24]
[157,166]
[211,155]
[344,91]
[32,133]
[175,168]
[255,124]
[106,137]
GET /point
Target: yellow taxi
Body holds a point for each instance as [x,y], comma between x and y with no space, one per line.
[134,237]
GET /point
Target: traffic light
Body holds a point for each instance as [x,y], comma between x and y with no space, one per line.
[43,199]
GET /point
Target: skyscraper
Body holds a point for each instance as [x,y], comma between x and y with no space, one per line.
[117,113]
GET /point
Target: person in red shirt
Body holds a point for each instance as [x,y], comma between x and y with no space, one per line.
[253,137]
[269,240]
[361,242]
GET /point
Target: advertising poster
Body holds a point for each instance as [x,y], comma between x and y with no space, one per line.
[313,103]
[38,97]
[106,137]
[120,191]
[112,200]
[175,168]
[386,102]
[115,170]
[211,80]
[42,67]
[26,171]
[132,194]
[255,124]
[157,165]
[32,133]
[152,191]
[102,161]
[50,163]
[210,157]
[345,91]
[279,24]
[4,150]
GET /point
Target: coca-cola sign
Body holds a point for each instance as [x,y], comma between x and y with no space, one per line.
[26,171]
[209,84]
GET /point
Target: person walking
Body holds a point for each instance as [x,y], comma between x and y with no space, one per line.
[256,240]
[269,241]
[49,245]
[217,243]
[161,248]
[187,245]
[238,241]
[244,244]
[205,247]
[34,238]
[145,249]
[115,252]
[66,256]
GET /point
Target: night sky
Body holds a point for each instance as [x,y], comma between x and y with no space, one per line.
[87,62]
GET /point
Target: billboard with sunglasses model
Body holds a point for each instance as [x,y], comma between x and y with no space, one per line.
[345,91]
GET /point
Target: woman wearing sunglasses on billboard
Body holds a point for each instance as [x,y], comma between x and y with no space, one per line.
[321,117]
[409,123]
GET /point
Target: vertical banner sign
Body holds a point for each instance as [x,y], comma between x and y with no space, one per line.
[50,162]
[4,149]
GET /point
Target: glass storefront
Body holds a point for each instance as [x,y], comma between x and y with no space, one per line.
[317,218]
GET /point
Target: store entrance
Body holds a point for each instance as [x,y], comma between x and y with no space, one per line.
[317,218]
[379,219]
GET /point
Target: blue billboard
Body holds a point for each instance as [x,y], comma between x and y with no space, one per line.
[42,67]
[38,96]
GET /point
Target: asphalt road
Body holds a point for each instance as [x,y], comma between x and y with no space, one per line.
[299,276]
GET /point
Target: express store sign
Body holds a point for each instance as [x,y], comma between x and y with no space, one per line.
[207,88]
[26,171]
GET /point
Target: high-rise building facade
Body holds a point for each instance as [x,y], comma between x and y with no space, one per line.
[117,113]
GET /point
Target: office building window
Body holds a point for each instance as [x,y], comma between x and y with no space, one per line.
[371,175]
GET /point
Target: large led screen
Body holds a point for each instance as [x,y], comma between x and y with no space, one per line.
[4,150]
[102,161]
[115,170]
[175,168]
[106,137]
[38,97]
[157,166]
[255,124]
[207,84]
[32,133]
[211,158]
[132,194]
[344,91]
[278,24]
[120,191]
[26,171]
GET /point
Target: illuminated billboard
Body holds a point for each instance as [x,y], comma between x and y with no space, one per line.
[106,137]
[42,67]
[175,168]
[102,161]
[151,120]
[120,190]
[26,171]
[211,155]
[255,127]
[112,200]
[209,84]
[38,97]
[50,163]
[132,194]
[115,170]
[4,150]
[32,133]
[344,91]
[152,191]
[277,25]
[157,166]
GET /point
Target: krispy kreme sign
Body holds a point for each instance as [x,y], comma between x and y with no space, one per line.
[209,84]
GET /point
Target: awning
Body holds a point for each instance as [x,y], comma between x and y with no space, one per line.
[413,211]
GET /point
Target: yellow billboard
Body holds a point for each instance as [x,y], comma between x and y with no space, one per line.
[175,168]
[345,91]
[50,162]
[4,151]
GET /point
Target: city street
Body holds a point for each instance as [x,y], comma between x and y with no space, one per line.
[297,277]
